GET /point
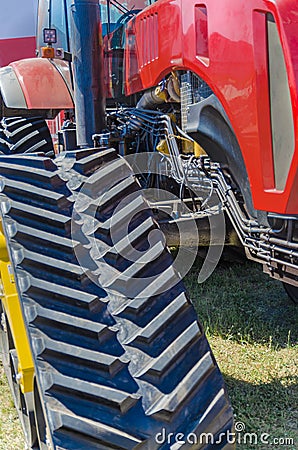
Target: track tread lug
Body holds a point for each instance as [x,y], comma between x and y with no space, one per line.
[160,365]
[85,300]
[108,435]
[114,398]
[167,315]
[35,196]
[170,403]
[91,359]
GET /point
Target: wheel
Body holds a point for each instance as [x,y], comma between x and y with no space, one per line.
[21,401]
[120,358]
[25,135]
[292,292]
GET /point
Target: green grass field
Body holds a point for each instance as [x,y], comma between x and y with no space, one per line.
[252,328]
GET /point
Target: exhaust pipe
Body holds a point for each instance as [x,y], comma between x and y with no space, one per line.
[87,50]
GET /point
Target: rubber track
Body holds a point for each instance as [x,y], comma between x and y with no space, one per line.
[113,370]
[24,135]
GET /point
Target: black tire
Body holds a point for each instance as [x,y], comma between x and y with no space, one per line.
[113,370]
[25,135]
[292,292]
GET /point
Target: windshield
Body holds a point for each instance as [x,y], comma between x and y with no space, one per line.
[116,9]
[113,13]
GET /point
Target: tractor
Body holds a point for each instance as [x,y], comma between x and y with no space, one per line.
[180,127]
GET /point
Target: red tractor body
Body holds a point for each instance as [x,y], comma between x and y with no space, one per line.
[227,46]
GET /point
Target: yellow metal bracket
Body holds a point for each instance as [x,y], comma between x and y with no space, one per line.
[13,310]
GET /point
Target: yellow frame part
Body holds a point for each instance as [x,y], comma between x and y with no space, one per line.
[12,307]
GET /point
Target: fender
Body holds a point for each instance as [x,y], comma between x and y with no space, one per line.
[35,86]
[209,125]
[247,54]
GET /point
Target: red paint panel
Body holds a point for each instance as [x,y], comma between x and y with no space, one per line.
[236,71]
[15,49]
[42,84]
[155,57]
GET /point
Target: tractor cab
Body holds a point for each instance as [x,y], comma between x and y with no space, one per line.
[54,31]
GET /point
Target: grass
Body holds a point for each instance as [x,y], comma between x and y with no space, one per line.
[241,303]
[11,437]
[252,328]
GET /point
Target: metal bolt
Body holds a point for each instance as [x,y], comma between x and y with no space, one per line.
[18,377]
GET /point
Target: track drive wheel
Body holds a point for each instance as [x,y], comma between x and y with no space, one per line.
[121,361]
[25,135]
[23,403]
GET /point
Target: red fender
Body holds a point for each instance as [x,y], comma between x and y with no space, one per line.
[44,83]
[226,46]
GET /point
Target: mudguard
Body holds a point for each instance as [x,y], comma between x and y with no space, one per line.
[35,84]
[248,56]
